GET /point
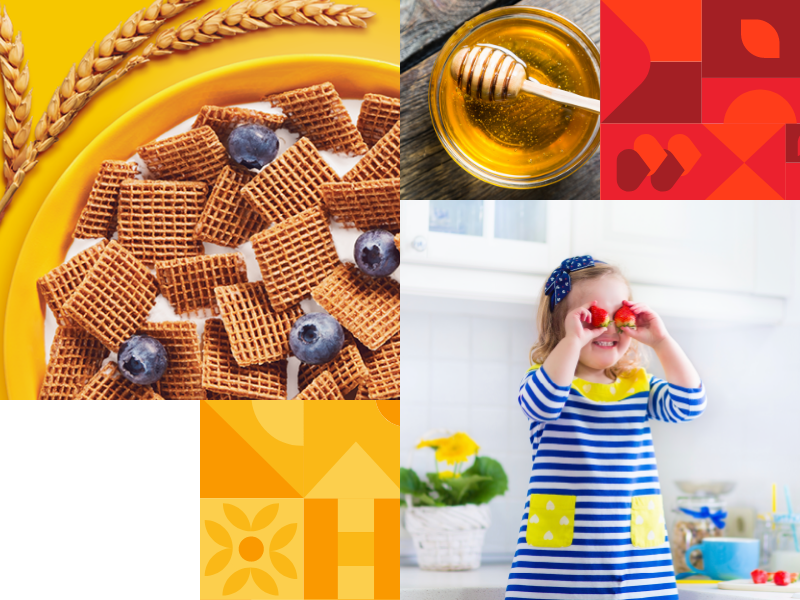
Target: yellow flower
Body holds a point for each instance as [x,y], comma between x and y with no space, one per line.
[251,549]
[432,443]
[448,475]
[457,448]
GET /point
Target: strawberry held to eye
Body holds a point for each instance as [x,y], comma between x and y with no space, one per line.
[624,317]
[599,316]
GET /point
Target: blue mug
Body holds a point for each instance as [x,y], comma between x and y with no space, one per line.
[726,558]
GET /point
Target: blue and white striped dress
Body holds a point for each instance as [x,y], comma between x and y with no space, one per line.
[593,525]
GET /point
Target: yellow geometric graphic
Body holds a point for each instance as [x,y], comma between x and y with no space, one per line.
[251,548]
[357,583]
[355,475]
[273,429]
[356,549]
[356,514]
[331,429]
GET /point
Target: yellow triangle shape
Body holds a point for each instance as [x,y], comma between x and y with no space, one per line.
[355,475]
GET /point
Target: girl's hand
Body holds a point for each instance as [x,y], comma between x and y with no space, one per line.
[575,329]
[650,329]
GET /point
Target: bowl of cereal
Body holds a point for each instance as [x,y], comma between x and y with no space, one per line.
[151,219]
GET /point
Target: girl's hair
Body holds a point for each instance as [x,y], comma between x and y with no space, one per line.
[551,323]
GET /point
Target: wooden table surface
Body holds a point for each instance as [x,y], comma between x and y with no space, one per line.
[428,172]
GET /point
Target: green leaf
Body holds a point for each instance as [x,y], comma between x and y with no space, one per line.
[409,482]
[464,484]
[426,499]
[486,490]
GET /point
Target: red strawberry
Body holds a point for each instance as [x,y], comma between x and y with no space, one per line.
[759,576]
[624,317]
[781,578]
[599,316]
[793,577]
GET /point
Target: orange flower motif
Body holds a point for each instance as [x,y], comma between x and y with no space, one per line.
[251,549]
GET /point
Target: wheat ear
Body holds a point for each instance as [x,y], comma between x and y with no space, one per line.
[81,81]
[18,103]
[252,15]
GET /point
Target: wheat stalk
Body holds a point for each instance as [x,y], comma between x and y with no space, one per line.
[18,104]
[81,81]
[242,17]
[252,15]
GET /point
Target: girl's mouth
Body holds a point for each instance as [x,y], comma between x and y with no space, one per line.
[604,343]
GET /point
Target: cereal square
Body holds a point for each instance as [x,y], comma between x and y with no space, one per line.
[74,357]
[295,256]
[196,155]
[99,216]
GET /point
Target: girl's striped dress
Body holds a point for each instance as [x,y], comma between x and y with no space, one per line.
[593,525]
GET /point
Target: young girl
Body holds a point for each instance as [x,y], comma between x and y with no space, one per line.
[593,525]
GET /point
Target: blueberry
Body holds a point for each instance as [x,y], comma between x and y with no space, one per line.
[376,254]
[316,338]
[142,359]
[252,145]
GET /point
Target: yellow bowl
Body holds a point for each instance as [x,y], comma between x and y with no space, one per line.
[50,235]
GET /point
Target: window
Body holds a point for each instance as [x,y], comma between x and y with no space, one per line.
[523,220]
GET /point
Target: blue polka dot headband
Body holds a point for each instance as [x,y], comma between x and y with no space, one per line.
[559,284]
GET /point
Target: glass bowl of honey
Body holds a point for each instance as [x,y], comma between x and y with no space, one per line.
[527,142]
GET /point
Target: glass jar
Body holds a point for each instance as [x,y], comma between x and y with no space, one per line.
[780,541]
[527,142]
[696,518]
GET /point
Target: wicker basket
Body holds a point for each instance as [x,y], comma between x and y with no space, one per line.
[448,538]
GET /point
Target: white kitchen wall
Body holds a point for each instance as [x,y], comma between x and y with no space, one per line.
[462,362]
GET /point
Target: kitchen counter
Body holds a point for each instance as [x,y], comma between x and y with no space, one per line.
[489,582]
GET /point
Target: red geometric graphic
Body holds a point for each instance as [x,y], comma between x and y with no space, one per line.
[716,124]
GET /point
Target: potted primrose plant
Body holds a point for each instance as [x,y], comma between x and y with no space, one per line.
[447,512]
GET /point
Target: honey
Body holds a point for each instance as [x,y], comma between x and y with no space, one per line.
[528,141]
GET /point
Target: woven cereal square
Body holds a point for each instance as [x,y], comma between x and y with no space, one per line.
[224,119]
[347,369]
[196,155]
[257,333]
[377,116]
[384,371]
[322,388]
[289,184]
[157,218]
[227,218]
[115,297]
[368,308]
[364,204]
[74,357]
[381,162]
[99,216]
[57,286]
[188,283]
[109,384]
[183,378]
[295,256]
[318,113]
[222,376]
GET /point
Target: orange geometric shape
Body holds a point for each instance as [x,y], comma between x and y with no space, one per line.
[744,184]
[760,38]
[230,468]
[273,429]
[251,549]
[650,150]
[744,140]
[356,549]
[684,151]
[670,29]
[331,429]
[760,106]
[390,409]
[321,549]
[387,558]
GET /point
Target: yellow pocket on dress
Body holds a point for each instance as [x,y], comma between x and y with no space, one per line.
[551,520]
[647,521]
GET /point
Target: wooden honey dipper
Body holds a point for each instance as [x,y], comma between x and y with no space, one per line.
[492,73]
